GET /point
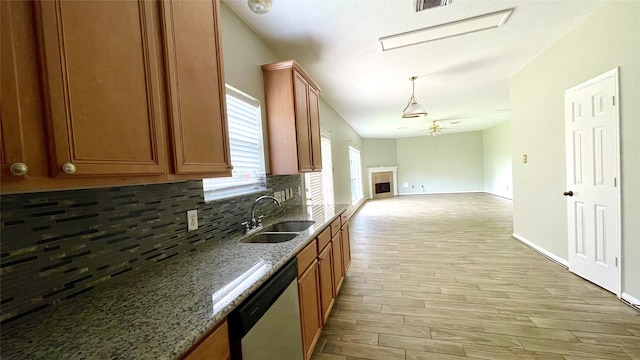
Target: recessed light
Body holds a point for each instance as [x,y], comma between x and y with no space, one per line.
[402,128]
[443,31]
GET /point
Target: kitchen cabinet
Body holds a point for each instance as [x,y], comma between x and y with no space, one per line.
[346,243]
[21,130]
[293,119]
[102,66]
[327,293]
[197,107]
[338,266]
[309,298]
[215,346]
[100,93]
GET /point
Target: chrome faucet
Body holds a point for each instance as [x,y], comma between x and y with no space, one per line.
[253,221]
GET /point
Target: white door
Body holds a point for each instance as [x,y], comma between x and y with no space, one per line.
[591,131]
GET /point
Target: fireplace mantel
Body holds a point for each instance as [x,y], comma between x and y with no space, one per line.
[375,169]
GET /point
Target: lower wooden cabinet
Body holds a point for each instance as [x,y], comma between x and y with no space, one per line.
[322,265]
[310,317]
[338,266]
[327,293]
[346,247]
[213,347]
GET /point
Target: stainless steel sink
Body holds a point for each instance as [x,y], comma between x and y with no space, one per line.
[289,226]
[270,237]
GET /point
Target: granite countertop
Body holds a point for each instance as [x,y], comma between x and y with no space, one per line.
[161,311]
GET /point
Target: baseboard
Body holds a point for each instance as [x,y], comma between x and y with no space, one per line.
[555,258]
[498,195]
[635,303]
[443,192]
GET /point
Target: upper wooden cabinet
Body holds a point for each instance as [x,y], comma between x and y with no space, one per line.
[103,87]
[196,87]
[293,119]
[99,93]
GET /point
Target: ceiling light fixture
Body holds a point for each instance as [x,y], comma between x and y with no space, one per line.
[443,31]
[413,109]
[260,6]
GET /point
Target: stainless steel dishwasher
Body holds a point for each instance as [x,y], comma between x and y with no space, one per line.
[266,326]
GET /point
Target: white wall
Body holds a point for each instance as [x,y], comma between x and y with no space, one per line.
[445,163]
[496,143]
[244,52]
[609,38]
[377,152]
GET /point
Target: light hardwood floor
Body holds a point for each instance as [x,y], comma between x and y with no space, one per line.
[439,277]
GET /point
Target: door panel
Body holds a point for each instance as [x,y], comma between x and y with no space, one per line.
[301,89]
[198,110]
[102,86]
[592,167]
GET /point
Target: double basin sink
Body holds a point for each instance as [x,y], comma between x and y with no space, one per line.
[279,232]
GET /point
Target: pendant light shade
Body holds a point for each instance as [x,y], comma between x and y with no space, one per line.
[260,6]
[413,109]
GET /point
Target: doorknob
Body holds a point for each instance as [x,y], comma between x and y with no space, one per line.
[568,193]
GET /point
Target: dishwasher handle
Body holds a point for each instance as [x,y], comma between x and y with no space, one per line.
[251,310]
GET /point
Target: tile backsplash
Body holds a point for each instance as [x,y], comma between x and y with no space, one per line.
[58,245]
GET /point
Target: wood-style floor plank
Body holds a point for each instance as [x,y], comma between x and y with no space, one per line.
[439,277]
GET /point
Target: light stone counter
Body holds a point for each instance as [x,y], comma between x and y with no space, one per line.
[160,312]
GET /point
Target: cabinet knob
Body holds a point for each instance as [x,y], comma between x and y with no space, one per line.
[18,169]
[69,168]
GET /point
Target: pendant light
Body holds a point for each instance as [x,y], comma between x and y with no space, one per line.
[260,6]
[413,109]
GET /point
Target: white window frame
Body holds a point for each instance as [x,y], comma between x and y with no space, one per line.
[323,178]
[244,116]
[355,171]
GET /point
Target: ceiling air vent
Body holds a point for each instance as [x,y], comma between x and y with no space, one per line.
[428,4]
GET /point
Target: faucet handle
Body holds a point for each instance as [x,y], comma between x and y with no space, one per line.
[259,220]
[246,226]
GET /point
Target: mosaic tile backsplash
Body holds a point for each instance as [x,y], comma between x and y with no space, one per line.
[58,245]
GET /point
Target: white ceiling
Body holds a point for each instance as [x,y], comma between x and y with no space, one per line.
[464,78]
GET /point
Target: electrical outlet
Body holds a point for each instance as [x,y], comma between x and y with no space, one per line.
[192,220]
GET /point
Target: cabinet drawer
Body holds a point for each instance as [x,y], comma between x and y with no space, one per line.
[307,256]
[335,227]
[324,238]
[344,219]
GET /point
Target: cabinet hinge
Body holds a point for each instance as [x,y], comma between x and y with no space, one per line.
[614,100]
[615,182]
[616,261]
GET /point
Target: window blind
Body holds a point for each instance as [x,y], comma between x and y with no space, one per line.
[246,147]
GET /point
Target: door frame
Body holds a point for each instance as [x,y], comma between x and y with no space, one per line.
[613,73]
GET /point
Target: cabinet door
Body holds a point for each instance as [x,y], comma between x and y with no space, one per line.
[11,140]
[199,134]
[303,137]
[338,274]
[314,126]
[102,80]
[327,292]
[309,296]
[213,347]
[346,248]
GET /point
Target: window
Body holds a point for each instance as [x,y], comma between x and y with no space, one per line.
[247,152]
[356,174]
[319,185]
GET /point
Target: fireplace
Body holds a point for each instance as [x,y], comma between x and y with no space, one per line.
[383,181]
[384,187]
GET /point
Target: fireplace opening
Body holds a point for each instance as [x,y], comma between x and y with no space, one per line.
[382,188]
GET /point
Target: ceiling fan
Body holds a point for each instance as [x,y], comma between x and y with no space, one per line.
[435,129]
